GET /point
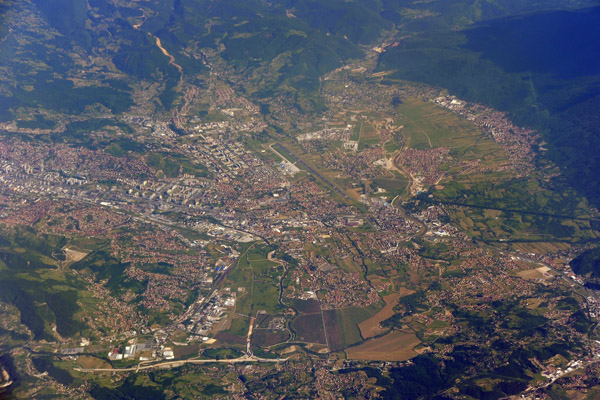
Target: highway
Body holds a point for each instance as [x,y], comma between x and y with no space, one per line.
[178,363]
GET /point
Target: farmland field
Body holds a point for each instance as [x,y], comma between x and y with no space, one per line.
[395,346]
[333,330]
[306,306]
[309,328]
[370,328]
[348,320]
[268,337]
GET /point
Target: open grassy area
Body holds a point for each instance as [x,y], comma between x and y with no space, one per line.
[258,279]
[428,126]
[239,326]
[348,320]
[368,136]
[92,362]
[347,264]
[393,187]
[494,202]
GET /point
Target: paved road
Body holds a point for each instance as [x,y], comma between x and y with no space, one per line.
[179,363]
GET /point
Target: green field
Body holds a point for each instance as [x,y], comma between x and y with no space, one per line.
[172,164]
[348,320]
[495,204]
[239,326]
[368,136]
[260,279]
[393,187]
[428,126]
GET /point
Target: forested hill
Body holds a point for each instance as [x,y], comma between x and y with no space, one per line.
[291,43]
[543,69]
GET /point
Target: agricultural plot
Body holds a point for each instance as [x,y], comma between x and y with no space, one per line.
[309,328]
[309,325]
[341,326]
[395,346]
[307,306]
[334,338]
[348,320]
[370,327]
[537,274]
[269,337]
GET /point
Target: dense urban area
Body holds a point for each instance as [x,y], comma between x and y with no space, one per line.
[394,241]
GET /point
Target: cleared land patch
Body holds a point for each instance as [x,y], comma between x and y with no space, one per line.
[540,273]
[92,362]
[370,327]
[73,256]
[395,346]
